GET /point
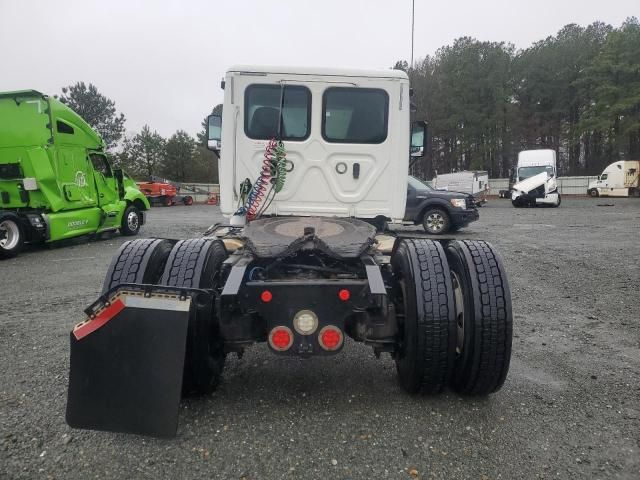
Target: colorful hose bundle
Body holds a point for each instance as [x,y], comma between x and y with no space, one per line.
[273,171]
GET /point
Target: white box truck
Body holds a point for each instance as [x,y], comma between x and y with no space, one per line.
[535,179]
[474,182]
[620,179]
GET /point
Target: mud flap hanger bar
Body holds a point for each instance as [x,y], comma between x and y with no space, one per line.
[146,289]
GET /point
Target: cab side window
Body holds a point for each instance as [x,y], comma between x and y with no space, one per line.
[604,176]
[355,115]
[100,164]
[273,111]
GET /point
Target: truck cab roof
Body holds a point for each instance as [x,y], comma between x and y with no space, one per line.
[316,71]
[39,119]
[532,158]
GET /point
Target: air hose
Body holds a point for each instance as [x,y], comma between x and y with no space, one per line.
[273,171]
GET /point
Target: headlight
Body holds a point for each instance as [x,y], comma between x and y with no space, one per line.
[459,202]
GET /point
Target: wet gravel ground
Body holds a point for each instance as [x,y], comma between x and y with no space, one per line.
[570,407]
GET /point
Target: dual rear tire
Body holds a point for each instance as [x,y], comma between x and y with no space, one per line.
[454,310]
[192,263]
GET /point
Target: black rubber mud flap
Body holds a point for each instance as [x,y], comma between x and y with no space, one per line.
[126,366]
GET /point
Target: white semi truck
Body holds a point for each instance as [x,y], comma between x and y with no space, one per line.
[620,179]
[305,154]
[535,179]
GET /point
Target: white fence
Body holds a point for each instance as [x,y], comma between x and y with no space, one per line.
[566,185]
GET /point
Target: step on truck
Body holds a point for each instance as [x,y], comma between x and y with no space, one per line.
[535,181]
[308,157]
[56,181]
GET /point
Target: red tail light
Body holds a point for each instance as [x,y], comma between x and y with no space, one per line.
[330,338]
[266,296]
[344,294]
[280,338]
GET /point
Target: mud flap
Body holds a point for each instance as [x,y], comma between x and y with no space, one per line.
[127,363]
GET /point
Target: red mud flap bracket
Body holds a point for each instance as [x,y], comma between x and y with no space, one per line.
[127,361]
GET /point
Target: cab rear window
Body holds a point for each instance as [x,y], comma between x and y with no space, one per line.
[277,111]
[355,115]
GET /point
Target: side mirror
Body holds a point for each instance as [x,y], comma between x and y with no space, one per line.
[214,132]
[419,138]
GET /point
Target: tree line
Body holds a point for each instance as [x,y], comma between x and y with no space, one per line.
[577,92]
[145,154]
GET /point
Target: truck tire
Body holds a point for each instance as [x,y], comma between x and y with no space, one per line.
[138,261]
[436,221]
[594,193]
[11,235]
[188,200]
[484,320]
[167,201]
[424,302]
[195,263]
[131,221]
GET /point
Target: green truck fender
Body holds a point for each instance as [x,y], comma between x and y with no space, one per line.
[134,196]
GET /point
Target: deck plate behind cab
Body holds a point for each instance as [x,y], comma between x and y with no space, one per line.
[345,237]
[126,375]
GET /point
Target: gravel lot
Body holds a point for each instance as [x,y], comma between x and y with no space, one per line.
[570,407]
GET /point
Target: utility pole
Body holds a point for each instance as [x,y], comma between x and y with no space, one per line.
[413,11]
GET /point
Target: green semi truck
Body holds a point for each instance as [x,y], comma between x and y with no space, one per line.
[56,182]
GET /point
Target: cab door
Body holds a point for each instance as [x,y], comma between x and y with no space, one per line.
[106,188]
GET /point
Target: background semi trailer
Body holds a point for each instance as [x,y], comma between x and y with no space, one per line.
[474,182]
[620,179]
[56,181]
[535,179]
[304,154]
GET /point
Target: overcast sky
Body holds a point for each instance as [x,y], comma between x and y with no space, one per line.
[162,61]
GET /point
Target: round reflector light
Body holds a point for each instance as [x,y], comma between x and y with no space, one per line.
[330,338]
[344,294]
[305,322]
[266,296]
[280,338]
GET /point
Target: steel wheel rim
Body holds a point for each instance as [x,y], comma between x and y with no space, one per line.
[9,239]
[458,299]
[132,221]
[435,222]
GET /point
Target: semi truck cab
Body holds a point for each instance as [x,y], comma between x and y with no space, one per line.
[535,179]
[620,179]
[56,181]
[306,154]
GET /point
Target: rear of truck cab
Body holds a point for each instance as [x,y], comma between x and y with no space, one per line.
[334,169]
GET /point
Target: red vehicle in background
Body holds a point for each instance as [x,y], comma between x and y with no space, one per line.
[161,193]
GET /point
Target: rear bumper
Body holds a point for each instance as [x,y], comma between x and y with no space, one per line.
[549,199]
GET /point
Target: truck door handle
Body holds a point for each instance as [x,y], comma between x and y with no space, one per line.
[356,170]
